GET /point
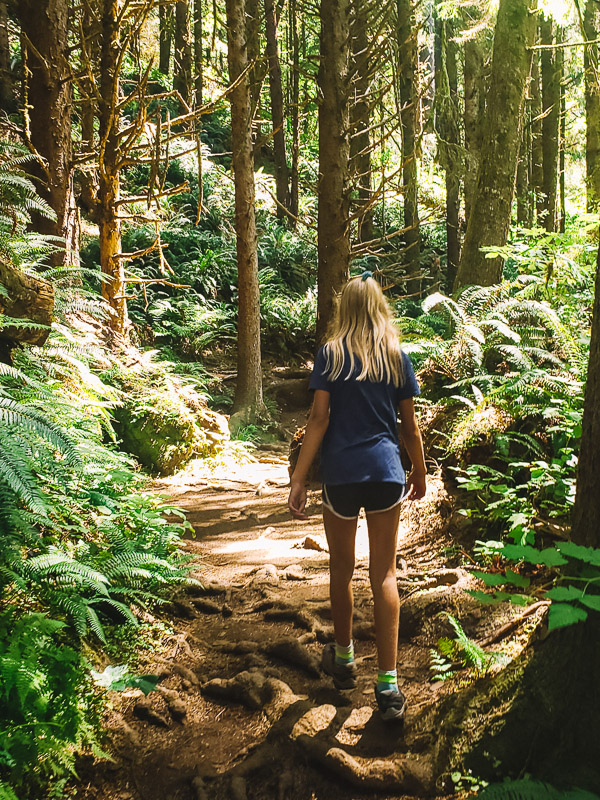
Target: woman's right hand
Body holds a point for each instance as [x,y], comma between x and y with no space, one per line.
[416,485]
[297,500]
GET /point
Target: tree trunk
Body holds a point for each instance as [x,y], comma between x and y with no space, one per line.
[334,159]
[113,289]
[473,115]
[551,81]
[253,20]
[448,133]
[295,111]
[30,298]
[408,72]
[360,144]
[586,516]
[592,105]
[182,62]
[248,400]
[88,179]
[44,26]
[537,154]
[523,187]
[198,54]
[562,216]
[165,17]
[6,81]
[276,95]
[489,219]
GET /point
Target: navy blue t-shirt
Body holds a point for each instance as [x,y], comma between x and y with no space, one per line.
[361,442]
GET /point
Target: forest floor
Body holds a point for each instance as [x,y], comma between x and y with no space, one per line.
[243,711]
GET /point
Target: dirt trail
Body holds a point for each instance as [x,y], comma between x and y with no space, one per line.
[279,730]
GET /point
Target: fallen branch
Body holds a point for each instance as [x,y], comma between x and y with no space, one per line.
[510,626]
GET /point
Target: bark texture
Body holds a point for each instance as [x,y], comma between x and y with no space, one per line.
[448,134]
[182,62]
[523,188]
[44,26]
[592,105]
[165,17]
[360,144]
[586,519]
[248,393]
[408,89]
[537,153]
[551,82]
[109,168]
[6,83]
[474,107]
[198,54]
[277,115]
[295,110]
[489,218]
[334,159]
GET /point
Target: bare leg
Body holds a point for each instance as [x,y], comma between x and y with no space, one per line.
[383,533]
[340,534]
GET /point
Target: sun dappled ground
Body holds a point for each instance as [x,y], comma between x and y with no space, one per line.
[243,710]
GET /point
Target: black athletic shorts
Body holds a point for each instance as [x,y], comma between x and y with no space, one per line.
[346,500]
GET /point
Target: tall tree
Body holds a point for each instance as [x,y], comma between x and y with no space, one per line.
[109,168]
[489,219]
[360,110]
[248,400]
[182,66]
[253,20]
[551,83]
[537,151]
[282,182]
[523,185]
[408,90]
[591,26]
[448,135]
[198,53]
[333,224]
[294,110]
[474,108]
[560,68]
[48,100]
[6,88]
[165,22]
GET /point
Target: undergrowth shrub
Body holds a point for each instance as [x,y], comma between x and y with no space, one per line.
[48,711]
[81,547]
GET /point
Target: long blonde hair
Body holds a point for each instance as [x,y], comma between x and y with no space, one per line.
[363,322]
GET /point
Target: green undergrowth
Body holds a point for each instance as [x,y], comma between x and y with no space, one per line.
[84,549]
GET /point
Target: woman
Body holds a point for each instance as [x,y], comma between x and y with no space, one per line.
[362,380]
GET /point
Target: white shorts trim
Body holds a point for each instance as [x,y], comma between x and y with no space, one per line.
[329,507]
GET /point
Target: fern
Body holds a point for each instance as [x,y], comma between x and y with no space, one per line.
[6,793]
[459,652]
[532,790]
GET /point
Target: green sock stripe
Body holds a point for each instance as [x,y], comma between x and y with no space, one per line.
[387,677]
[344,654]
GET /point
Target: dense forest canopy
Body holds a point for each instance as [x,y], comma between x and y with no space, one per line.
[184,188]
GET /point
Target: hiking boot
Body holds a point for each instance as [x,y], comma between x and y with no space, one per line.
[344,675]
[392,703]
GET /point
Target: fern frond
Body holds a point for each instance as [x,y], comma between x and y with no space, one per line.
[94,623]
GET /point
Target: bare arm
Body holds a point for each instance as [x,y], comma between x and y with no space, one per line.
[315,430]
[411,437]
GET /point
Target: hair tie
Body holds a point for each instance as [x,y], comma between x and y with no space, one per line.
[366,274]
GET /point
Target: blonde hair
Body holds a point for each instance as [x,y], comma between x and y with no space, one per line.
[363,323]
